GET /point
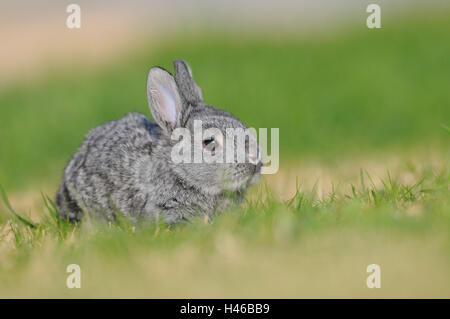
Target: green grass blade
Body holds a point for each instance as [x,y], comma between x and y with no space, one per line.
[8,205]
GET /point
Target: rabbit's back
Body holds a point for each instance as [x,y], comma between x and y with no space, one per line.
[104,174]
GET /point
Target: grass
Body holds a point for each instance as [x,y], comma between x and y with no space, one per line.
[303,247]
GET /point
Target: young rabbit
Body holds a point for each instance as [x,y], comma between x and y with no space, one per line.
[126,165]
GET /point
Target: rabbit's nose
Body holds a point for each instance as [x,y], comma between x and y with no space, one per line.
[254,159]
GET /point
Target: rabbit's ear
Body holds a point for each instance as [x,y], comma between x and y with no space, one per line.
[163,98]
[188,88]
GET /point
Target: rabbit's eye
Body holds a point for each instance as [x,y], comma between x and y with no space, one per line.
[209,142]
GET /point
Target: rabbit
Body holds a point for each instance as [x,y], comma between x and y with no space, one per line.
[125,166]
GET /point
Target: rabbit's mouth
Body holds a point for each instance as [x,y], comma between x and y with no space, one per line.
[254,178]
[240,182]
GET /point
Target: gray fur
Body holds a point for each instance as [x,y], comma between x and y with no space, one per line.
[125,165]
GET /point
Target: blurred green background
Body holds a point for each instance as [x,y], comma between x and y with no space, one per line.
[330,93]
[365,111]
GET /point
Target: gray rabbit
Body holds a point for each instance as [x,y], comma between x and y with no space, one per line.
[126,165]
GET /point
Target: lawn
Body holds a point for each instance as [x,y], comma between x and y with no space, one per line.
[304,247]
[336,97]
